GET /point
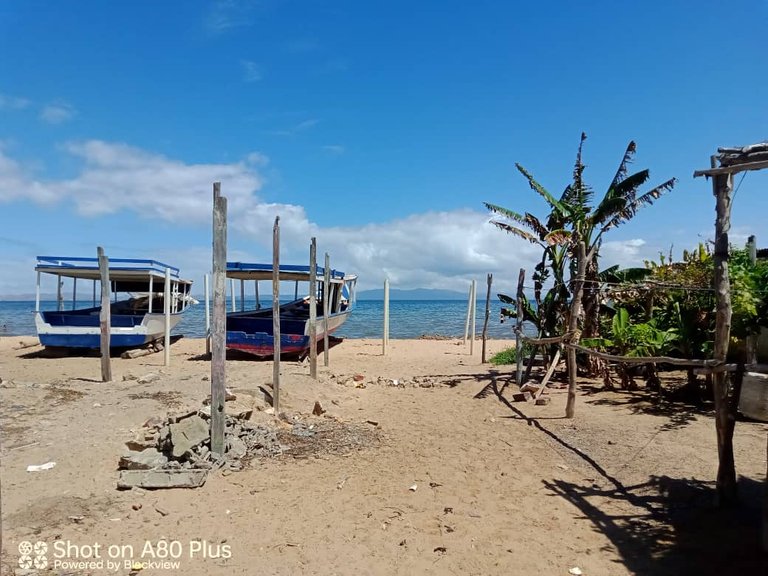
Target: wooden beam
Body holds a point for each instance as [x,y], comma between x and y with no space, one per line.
[473,311]
[105,317]
[219,321]
[167,319]
[385,328]
[276,316]
[313,308]
[548,375]
[206,279]
[735,169]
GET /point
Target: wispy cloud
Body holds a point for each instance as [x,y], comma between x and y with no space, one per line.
[225,15]
[8,102]
[57,113]
[295,129]
[335,149]
[251,71]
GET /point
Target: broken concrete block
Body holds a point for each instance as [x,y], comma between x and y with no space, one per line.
[235,447]
[543,401]
[144,460]
[154,479]
[147,378]
[188,433]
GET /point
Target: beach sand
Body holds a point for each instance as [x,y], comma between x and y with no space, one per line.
[498,487]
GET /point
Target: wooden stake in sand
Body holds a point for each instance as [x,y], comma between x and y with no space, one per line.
[276,315]
[104,316]
[573,324]
[469,314]
[219,321]
[207,315]
[167,318]
[313,308]
[326,306]
[487,315]
[473,312]
[385,332]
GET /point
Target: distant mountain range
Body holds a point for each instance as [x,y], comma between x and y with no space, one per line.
[415,294]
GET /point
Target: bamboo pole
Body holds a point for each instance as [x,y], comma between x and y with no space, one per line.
[487,316]
[167,318]
[573,324]
[519,327]
[385,332]
[207,315]
[276,315]
[219,321]
[105,318]
[326,307]
[313,308]
[473,309]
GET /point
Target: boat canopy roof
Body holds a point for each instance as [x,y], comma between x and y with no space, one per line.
[120,269]
[251,271]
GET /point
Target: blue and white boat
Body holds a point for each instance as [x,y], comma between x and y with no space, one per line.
[137,310]
[251,331]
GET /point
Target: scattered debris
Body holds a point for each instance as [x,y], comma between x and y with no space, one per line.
[161,511]
[576,571]
[543,401]
[318,410]
[77,519]
[148,378]
[228,397]
[434,484]
[136,506]
[358,377]
[413,488]
[447,510]
[40,467]
[372,422]
[440,550]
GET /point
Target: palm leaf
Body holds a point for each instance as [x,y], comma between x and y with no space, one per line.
[525,235]
[558,237]
[628,212]
[621,173]
[539,189]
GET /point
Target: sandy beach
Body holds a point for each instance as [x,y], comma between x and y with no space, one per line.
[439,472]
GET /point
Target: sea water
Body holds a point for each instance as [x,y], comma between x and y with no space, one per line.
[407,318]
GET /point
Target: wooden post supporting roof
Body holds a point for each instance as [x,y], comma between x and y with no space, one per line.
[326,307]
[573,325]
[489,280]
[276,316]
[219,321]
[519,328]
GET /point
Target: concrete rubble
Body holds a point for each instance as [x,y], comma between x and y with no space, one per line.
[176,452]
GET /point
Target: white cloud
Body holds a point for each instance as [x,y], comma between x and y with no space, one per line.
[225,15]
[431,250]
[335,149]
[8,102]
[57,113]
[251,71]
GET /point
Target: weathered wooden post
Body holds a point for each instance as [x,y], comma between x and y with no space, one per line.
[473,312]
[750,343]
[326,307]
[722,187]
[469,314]
[105,317]
[207,315]
[519,327]
[313,308]
[276,315]
[385,331]
[167,319]
[487,315]
[219,321]
[573,326]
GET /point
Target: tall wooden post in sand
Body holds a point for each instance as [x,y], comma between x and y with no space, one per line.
[573,325]
[167,319]
[104,316]
[472,313]
[326,307]
[313,308]
[519,328]
[219,321]
[487,315]
[385,331]
[276,315]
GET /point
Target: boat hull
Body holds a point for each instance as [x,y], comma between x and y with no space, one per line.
[254,335]
[84,331]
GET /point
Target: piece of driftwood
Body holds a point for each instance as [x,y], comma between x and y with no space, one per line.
[644,359]
[548,375]
[104,316]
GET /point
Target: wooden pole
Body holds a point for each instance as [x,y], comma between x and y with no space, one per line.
[105,318]
[326,307]
[74,292]
[276,315]
[750,342]
[469,314]
[385,331]
[242,295]
[207,315]
[724,419]
[313,308]
[519,327]
[487,315]
[167,318]
[233,303]
[219,321]
[573,324]
[473,309]
[37,294]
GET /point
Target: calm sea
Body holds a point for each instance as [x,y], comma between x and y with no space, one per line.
[407,319]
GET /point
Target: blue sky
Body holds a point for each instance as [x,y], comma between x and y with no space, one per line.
[379,128]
